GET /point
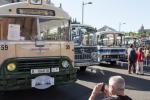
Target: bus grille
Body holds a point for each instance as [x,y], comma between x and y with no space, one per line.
[27,65]
[83,56]
[84,52]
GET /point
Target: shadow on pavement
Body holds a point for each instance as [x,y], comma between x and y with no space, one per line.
[133,83]
[66,92]
[124,66]
[76,91]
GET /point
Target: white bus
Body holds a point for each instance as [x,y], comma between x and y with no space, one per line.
[110,47]
[85,49]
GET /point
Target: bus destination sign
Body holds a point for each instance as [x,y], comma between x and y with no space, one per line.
[33,11]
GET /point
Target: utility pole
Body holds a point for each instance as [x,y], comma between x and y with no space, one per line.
[83,4]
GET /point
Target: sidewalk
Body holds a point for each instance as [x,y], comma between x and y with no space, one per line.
[125,65]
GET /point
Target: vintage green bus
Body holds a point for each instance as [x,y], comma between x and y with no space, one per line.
[35,50]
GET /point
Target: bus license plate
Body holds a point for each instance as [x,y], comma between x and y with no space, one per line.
[40,71]
[55,69]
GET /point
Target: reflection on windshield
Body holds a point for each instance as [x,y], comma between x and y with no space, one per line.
[54,29]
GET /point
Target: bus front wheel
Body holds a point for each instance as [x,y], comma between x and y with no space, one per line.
[113,62]
[83,68]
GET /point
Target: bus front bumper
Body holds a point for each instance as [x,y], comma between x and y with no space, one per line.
[24,81]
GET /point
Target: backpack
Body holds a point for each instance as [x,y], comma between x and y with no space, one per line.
[132,56]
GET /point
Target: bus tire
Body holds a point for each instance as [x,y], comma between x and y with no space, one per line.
[113,62]
[2,93]
[82,69]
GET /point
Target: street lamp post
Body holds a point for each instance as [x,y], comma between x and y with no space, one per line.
[83,4]
[120,24]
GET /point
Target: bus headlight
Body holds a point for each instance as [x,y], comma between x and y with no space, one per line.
[11,67]
[65,64]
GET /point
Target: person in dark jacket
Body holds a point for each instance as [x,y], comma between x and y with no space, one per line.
[115,90]
[132,58]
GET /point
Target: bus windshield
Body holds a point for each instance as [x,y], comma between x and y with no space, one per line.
[26,28]
[110,39]
[132,40]
[51,29]
[82,35]
[18,28]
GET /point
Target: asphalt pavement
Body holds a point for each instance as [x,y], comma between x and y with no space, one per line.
[137,86]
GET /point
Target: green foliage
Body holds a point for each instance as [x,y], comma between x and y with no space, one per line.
[132,34]
[74,21]
[144,34]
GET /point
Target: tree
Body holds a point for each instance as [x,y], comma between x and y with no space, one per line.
[74,21]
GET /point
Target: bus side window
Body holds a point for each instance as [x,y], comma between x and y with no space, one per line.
[3,28]
[1,31]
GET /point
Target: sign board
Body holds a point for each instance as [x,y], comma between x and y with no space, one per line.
[13,32]
[36,2]
[42,82]
[35,11]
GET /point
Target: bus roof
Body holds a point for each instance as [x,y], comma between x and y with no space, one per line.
[109,32]
[80,25]
[84,26]
[21,9]
[131,37]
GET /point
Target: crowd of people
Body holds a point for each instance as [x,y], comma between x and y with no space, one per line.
[136,58]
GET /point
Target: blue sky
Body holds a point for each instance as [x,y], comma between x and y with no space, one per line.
[110,12]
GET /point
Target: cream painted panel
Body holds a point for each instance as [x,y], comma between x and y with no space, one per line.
[29,50]
[59,13]
[5,54]
[67,52]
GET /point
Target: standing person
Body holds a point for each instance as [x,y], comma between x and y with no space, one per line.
[131,59]
[146,51]
[115,90]
[146,54]
[140,59]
